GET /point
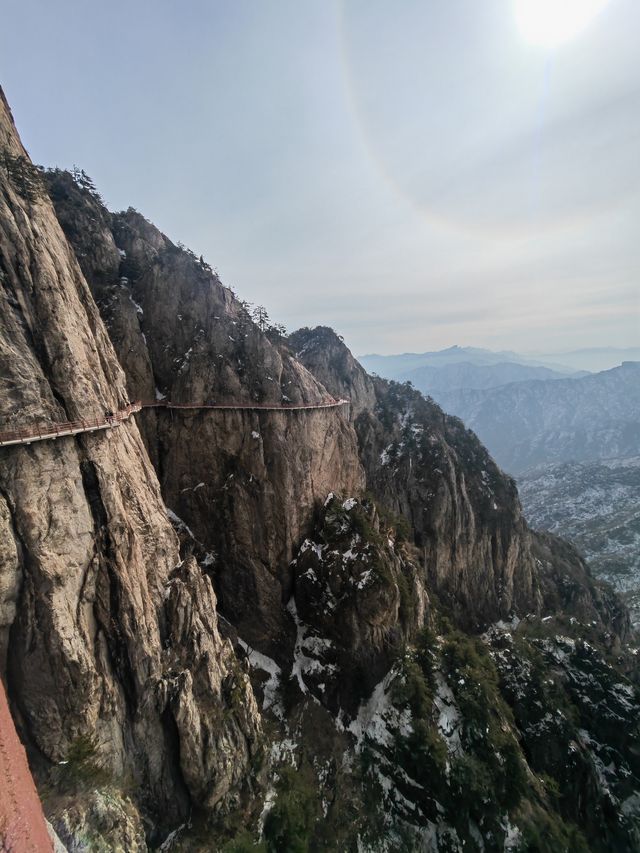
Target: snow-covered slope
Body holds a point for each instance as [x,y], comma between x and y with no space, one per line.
[597,506]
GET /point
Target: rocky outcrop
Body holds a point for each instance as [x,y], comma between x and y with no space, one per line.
[330,360]
[102,821]
[358,601]
[88,555]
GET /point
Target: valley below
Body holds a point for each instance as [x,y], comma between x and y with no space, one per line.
[595,505]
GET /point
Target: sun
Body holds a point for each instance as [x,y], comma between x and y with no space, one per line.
[550,23]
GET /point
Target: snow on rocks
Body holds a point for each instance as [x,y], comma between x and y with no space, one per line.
[306,645]
[181,526]
[384,456]
[136,306]
[257,660]
[448,715]
[378,719]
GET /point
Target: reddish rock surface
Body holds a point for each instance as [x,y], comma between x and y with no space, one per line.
[22,823]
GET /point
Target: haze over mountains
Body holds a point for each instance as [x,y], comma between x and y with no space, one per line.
[405,366]
[525,412]
[570,419]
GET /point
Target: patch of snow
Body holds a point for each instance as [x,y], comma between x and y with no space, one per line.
[512,836]
[284,750]
[313,546]
[378,719]
[167,844]
[255,434]
[308,644]
[270,690]
[448,715]
[364,579]
[384,456]
[349,504]
[136,306]
[269,802]
[180,524]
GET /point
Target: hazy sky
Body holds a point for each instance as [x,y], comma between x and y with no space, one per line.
[414,174]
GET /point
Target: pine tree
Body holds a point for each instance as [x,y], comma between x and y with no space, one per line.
[85,183]
[260,317]
[26,178]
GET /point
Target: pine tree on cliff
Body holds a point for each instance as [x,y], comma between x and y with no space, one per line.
[26,177]
[86,183]
[260,317]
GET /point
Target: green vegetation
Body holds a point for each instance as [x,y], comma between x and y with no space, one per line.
[82,768]
[289,824]
[26,178]
[545,832]
[244,843]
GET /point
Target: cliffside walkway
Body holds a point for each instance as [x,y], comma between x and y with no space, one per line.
[43,432]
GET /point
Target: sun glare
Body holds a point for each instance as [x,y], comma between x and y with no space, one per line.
[550,23]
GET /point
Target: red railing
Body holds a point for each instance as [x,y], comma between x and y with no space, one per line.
[40,432]
[53,430]
[329,403]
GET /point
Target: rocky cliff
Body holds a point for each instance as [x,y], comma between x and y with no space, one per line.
[245,483]
[97,613]
[467,526]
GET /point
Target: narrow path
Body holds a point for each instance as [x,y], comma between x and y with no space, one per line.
[42,432]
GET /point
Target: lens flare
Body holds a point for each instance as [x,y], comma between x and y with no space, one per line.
[550,23]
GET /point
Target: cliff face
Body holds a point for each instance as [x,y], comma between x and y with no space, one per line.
[95,613]
[246,483]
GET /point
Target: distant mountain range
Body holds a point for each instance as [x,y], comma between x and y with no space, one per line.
[397,366]
[464,374]
[570,436]
[592,360]
[538,422]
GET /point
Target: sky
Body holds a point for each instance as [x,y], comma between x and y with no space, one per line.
[415,175]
